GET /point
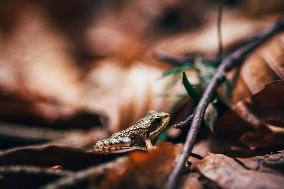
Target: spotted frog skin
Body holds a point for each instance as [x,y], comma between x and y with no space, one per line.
[135,137]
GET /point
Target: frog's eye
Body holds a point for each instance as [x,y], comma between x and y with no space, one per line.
[156,122]
[158,119]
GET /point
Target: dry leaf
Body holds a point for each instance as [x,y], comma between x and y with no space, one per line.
[228,173]
[269,163]
[263,66]
[254,119]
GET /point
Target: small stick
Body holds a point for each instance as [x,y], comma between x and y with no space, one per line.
[187,121]
[81,176]
[227,63]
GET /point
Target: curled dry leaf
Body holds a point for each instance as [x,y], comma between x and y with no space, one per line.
[263,66]
[228,173]
[257,119]
[268,105]
[269,163]
[263,138]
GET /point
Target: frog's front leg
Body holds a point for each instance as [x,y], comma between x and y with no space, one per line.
[149,145]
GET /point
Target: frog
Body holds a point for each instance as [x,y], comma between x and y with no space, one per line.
[138,136]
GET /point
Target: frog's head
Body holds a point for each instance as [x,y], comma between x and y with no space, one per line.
[157,122]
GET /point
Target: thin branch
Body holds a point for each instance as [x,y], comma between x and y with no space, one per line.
[72,180]
[226,64]
[184,123]
[94,172]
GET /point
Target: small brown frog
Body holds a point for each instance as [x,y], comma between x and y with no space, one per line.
[137,136]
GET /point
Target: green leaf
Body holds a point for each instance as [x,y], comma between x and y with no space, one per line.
[189,88]
[177,70]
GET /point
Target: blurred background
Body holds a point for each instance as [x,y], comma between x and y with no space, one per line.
[72,72]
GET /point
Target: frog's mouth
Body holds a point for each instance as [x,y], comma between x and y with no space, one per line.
[101,148]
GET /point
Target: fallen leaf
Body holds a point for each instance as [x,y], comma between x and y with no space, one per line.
[260,68]
[228,173]
[251,120]
[269,163]
[268,105]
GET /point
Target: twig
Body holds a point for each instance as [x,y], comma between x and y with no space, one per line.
[226,64]
[72,180]
[184,123]
[95,172]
